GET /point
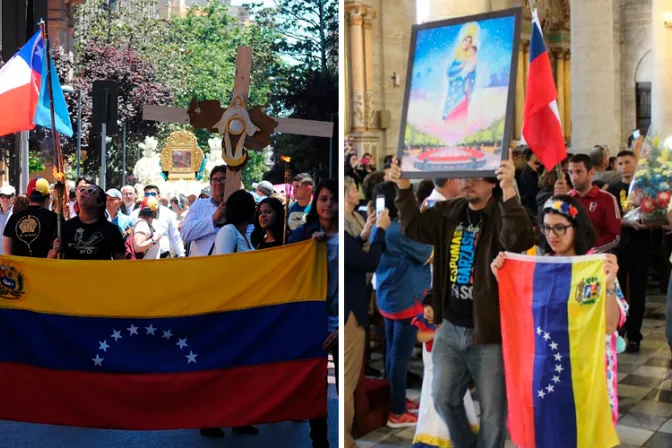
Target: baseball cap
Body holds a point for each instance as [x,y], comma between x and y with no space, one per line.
[149,204]
[38,188]
[7,190]
[206,191]
[114,193]
[266,187]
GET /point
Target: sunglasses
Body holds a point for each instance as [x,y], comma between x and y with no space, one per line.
[149,194]
[87,190]
[6,196]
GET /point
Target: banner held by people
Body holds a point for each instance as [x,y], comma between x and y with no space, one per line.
[238,341]
[553,335]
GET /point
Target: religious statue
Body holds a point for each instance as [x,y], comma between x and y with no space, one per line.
[235,121]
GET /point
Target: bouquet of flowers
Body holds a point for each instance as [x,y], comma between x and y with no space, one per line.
[651,187]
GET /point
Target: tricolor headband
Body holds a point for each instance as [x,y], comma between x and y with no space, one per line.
[562,208]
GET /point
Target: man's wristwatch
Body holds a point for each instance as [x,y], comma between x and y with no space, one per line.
[611,292]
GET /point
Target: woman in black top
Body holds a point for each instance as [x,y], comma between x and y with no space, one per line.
[269,224]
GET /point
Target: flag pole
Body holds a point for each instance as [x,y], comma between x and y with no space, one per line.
[59,176]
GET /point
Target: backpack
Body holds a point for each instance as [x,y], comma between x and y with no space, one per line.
[129,244]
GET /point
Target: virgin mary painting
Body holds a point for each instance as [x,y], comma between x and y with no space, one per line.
[461,74]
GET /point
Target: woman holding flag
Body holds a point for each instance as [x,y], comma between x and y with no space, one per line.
[568,232]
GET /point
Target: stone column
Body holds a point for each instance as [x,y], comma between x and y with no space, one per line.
[520,94]
[567,122]
[661,84]
[357,74]
[560,82]
[447,9]
[368,15]
[595,72]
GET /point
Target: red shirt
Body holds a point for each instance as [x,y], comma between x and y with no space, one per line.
[604,213]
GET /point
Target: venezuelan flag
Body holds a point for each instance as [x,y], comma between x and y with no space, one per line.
[165,344]
[553,332]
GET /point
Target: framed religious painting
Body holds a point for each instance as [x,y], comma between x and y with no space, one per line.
[181,158]
[459,103]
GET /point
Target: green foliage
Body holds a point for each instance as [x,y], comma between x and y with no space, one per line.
[413,137]
[488,136]
[35,164]
[254,170]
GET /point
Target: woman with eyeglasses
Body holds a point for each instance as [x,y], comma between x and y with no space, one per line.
[269,224]
[568,232]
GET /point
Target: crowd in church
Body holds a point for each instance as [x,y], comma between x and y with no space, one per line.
[427,268]
[117,225]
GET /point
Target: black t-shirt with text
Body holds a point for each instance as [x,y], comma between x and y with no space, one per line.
[32,231]
[632,240]
[461,269]
[97,241]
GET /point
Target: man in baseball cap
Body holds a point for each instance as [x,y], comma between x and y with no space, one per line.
[265,189]
[114,201]
[31,231]
[7,193]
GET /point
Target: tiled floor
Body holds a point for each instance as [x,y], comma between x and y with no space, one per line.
[645,391]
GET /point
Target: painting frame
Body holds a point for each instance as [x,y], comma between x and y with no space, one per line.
[509,114]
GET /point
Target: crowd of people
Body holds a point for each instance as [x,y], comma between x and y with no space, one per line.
[435,253]
[118,225]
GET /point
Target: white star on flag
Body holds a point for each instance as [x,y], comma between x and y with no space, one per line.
[558,368]
[556,379]
[547,336]
[116,335]
[182,343]
[553,346]
[191,357]
[97,361]
[557,357]
[541,394]
[539,331]
[550,388]
[151,329]
[103,346]
[167,334]
[133,330]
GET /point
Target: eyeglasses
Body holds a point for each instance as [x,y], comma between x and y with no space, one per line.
[219,180]
[5,196]
[559,230]
[87,190]
[149,194]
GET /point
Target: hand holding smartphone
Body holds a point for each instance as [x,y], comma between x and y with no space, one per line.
[380,204]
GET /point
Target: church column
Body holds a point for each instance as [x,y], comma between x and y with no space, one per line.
[661,84]
[369,105]
[446,9]
[520,93]
[596,101]
[357,68]
[560,82]
[567,79]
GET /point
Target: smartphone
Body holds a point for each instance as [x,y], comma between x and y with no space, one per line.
[635,134]
[431,202]
[380,204]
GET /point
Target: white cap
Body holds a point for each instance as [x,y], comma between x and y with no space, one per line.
[8,190]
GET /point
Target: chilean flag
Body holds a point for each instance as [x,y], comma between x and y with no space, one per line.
[20,81]
[542,128]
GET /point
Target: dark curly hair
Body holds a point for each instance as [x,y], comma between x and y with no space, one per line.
[585,234]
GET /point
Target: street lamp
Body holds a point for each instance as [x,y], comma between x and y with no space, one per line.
[71,90]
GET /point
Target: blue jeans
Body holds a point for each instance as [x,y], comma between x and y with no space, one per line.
[456,361]
[400,337]
[668,314]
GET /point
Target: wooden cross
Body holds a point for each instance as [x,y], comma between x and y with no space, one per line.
[241,87]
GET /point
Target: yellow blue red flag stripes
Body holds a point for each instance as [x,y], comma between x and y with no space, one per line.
[165,344]
[553,332]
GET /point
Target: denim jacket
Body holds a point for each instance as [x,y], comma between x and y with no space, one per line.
[403,275]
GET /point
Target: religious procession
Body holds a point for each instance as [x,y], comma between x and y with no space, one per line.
[170,224]
[507,236]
